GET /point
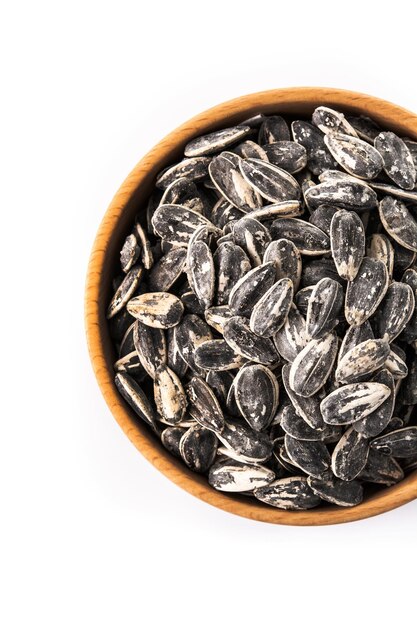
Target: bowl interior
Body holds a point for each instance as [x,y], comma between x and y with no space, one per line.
[130,200]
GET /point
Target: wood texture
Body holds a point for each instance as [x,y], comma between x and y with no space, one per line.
[128,201]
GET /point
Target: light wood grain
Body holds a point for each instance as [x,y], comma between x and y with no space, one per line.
[128,201]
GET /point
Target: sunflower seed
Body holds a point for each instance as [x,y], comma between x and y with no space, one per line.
[350,403]
[288,155]
[170,398]
[176,224]
[395,311]
[192,169]
[287,259]
[293,424]
[274,128]
[362,359]
[290,208]
[319,158]
[373,424]
[312,457]
[151,347]
[223,212]
[380,248]
[302,297]
[129,364]
[231,264]
[177,191]
[159,309]
[365,127]
[292,337]
[347,240]
[250,445]
[253,237]
[174,359]
[271,182]
[270,312]
[350,455]
[309,239]
[324,306]
[317,269]
[145,246]
[335,491]
[292,494]
[257,393]
[311,368]
[217,355]
[250,288]
[217,317]
[215,142]
[225,173]
[220,383]
[330,121]
[242,340]
[204,406]
[250,150]
[135,397]
[355,155]
[233,476]
[398,443]
[201,272]
[198,448]
[381,469]
[398,222]
[191,303]
[392,190]
[365,293]
[396,365]
[307,407]
[129,254]
[167,270]
[344,193]
[397,159]
[125,290]
[188,335]
[322,217]
[170,439]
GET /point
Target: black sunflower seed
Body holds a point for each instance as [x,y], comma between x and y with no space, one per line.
[270,312]
[170,439]
[247,443]
[350,403]
[356,156]
[220,383]
[398,443]
[215,142]
[307,407]
[395,311]
[345,193]
[350,455]
[150,344]
[198,448]
[174,359]
[274,128]
[293,424]
[337,491]
[362,359]
[292,337]
[317,269]
[191,169]
[217,355]
[365,293]
[354,336]
[309,239]
[242,340]
[204,406]
[381,469]
[271,182]
[159,309]
[188,335]
[287,260]
[250,150]
[135,397]
[347,240]
[226,175]
[313,365]
[257,394]
[288,155]
[323,308]
[396,365]
[330,121]
[365,127]
[373,424]
[253,237]
[312,457]
[392,190]
[176,224]
[167,270]
[291,494]
[125,290]
[129,254]
[399,222]
[201,272]
[250,288]
[233,476]
[288,208]
[397,159]
[319,158]
[217,317]
[170,398]
[322,217]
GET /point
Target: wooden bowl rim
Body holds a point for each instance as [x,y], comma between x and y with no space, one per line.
[244,106]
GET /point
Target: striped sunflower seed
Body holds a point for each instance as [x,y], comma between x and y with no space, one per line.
[319,158]
[289,208]
[287,259]
[204,406]
[188,335]
[373,424]
[322,217]
[216,141]
[398,222]
[352,402]
[176,224]
[347,241]
[250,445]
[159,309]
[198,448]
[381,469]
[362,359]
[233,476]
[201,275]
[344,193]
[292,494]
[226,175]
[292,337]
[395,311]
[250,288]
[271,182]
[129,253]
[323,308]
[398,443]
[217,355]
[231,264]
[253,237]
[350,455]
[150,344]
[307,407]
[397,159]
[220,383]
[365,127]
[250,150]
[312,457]
[257,394]
[170,398]
[313,365]
[335,491]
[170,439]
[274,128]
[309,239]
[270,312]
[242,340]
[330,121]
[353,337]
[174,359]
[356,156]
[288,155]
[167,270]
[217,317]
[380,248]
[365,293]
[135,397]
[192,169]
[396,365]
[125,290]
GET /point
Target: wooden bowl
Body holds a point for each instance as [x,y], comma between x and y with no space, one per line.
[131,198]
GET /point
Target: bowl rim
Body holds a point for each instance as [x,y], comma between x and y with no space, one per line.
[242,107]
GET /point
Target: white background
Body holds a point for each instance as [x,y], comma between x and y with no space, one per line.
[91,533]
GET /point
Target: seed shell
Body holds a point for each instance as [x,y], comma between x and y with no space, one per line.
[350,403]
[350,455]
[365,293]
[309,239]
[347,240]
[150,344]
[399,222]
[217,355]
[381,469]
[330,121]
[335,491]
[378,420]
[198,448]
[242,340]
[233,476]
[307,407]
[167,270]
[395,311]
[345,193]
[287,259]
[356,156]
[313,365]
[135,397]
[250,445]
[175,224]
[312,457]
[204,406]
[292,494]
[292,337]
[250,288]
[362,360]
[253,237]
[159,309]
[270,312]
[257,394]
[288,155]
[226,175]
[398,443]
[231,264]
[215,142]
[170,398]
[319,158]
[397,159]
[271,182]
[323,308]
[125,290]
[191,169]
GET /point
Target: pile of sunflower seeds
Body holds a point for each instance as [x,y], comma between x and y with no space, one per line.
[265,318]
